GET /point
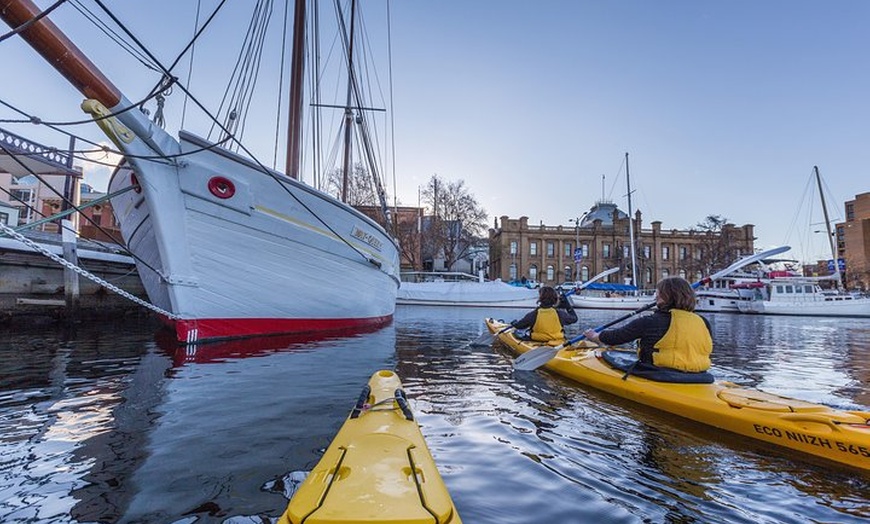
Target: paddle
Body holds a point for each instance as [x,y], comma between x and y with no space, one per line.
[487,339]
[537,357]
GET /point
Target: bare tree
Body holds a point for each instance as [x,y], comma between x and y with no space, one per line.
[360,190]
[457,222]
[409,237]
[719,245]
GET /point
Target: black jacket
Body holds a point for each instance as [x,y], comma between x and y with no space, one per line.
[564,309]
[647,330]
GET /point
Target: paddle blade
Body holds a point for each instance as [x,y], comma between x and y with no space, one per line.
[743,262]
[532,360]
[485,339]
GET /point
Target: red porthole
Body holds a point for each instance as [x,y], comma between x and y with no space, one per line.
[221,187]
[134,181]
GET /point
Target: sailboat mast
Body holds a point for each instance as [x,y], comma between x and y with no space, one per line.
[828,229]
[631,227]
[348,113]
[294,122]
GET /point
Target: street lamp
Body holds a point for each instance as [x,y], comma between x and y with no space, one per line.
[577,252]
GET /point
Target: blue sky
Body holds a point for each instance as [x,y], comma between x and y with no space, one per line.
[723,107]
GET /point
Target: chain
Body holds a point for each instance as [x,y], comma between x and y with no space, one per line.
[83,272]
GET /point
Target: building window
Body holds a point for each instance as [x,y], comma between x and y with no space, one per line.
[666,252]
[551,249]
[648,277]
[665,273]
[513,272]
[97,218]
[585,248]
[698,252]
[625,253]
[568,251]
[605,250]
[568,276]
[22,195]
[682,273]
[533,248]
[584,273]
[850,212]
[683,252]
[513,247]
[551,273]
[647,252]
[533,272]
[4,218]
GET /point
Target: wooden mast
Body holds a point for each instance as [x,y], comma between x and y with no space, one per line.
[294,122]
[47,40]
[828,230]
[348,113]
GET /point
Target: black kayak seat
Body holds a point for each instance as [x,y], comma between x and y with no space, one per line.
[627,361]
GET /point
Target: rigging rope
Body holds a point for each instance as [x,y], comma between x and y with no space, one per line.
[228,134]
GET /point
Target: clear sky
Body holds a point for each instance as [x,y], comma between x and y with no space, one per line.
[723,107]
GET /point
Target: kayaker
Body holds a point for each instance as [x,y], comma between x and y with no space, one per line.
[548,320]
[672,337]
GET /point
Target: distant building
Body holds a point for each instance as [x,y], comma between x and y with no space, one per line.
[38,181]
[8,214]
[600,240]
[853,242]
[98,220]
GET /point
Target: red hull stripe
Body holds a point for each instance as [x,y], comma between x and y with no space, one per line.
[198,330]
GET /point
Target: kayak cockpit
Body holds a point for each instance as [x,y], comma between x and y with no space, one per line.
[627,361]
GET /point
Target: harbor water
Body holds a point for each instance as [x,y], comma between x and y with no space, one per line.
[110,422]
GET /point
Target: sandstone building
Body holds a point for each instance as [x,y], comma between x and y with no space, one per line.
[600,240]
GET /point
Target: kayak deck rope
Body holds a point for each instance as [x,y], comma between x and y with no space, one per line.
[399,399]
[84,272]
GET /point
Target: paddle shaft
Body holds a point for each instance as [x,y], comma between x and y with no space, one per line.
[486,341]
[623,318]
[538,357]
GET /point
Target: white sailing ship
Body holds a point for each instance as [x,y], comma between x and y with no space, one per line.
[225,246]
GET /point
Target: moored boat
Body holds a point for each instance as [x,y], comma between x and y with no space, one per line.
[466,294]
[377,469]
[224,246]
[727,295]
[837,435]
[796,295]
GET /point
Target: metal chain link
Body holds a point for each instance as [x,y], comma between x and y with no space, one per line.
[85,273]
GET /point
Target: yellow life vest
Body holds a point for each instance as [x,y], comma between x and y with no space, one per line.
[686,345]
[547,326]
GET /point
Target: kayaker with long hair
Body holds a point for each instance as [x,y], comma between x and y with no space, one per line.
[548,320]
[672,337]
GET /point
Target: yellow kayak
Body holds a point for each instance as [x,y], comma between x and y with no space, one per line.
[841,436]
[377,469]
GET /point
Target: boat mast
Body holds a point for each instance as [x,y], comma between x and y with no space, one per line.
[828,229]
[294,122]
[348,113]
[631,227]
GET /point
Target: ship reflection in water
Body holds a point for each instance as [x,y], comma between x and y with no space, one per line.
[109,423]
[221,351]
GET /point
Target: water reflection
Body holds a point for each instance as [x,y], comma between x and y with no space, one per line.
[67,420]
[105,424]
